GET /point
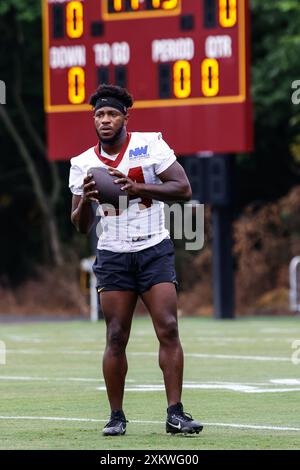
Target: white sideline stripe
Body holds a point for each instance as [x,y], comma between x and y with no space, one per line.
[273,390]
[234,388]
[239,357]
[159,382]
[253,426]
[278,330]
[223,356]
[155,354]
[93,420]
[47,379]
[286,381]
[159,387]
[55,379]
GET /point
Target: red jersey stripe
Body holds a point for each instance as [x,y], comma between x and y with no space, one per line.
[113,163]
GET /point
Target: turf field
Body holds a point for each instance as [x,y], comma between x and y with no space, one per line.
[239,380]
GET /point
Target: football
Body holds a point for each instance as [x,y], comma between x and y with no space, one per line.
[109,192]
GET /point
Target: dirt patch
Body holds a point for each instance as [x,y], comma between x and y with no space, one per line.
[54,292]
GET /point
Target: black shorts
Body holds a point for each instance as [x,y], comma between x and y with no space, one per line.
[136,271]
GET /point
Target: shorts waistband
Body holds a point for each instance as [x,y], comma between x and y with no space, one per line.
[139,239]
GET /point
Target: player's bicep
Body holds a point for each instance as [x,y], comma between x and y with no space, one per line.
[175,172]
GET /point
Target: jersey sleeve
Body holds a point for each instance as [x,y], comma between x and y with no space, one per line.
[162,154]
[76,179]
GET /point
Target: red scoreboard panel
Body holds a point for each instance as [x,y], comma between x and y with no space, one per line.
[186,63]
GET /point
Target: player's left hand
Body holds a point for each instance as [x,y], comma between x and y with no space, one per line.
[132,187]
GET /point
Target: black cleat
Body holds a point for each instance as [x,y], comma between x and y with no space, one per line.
[180,422]
[116,425]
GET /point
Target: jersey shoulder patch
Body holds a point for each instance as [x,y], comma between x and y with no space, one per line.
[141,144]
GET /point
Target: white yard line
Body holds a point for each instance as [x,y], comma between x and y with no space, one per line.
[244,387]
[54,379]
[253,426]
[280,331]
[238,357]
[47,379]
[273,390]
[93,420]
[232,388]
[285,381]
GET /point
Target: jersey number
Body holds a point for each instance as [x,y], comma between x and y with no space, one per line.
[136,174]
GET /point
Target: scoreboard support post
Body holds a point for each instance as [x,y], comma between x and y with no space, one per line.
[213,182]
[223,276]
[222,217]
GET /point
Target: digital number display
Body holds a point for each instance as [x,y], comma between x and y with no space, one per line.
[182,79]
[228,13]
[76,85]
[132,9]
[74,14]
[210,77]
[184,61]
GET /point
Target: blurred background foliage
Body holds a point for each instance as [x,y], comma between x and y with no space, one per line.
[34,196]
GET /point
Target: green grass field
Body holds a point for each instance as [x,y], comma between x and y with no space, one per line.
[239,380]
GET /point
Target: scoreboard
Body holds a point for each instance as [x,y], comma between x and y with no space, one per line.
[186,63]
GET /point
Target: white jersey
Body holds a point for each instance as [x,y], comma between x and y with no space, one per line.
[144,156]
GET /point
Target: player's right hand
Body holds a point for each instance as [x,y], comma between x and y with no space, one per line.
[90,194]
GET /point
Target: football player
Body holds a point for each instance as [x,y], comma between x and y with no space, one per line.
[135,255]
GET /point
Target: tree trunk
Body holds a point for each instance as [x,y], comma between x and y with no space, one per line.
[34,136]
[42,198]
